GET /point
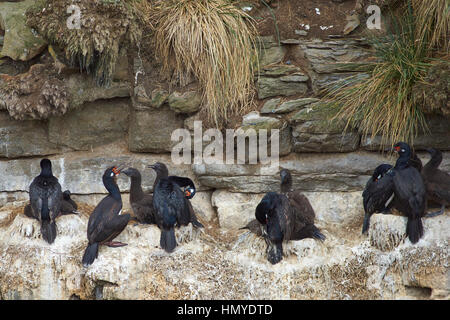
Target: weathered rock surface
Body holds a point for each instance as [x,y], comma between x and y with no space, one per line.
[24,138]
[187,102]
[150,130]
[41,92]
[20,42]
[213,264]
[276,106]
[81,172]
[437,137]
[96,123]
[270,87]
[311,172]
[272,55]
[235,210]
[315,130]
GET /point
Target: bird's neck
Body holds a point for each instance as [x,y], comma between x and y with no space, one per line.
[46,172]
[136,192]
[113,189]
[435,160]
[403,161]
[159,175]
[286,186]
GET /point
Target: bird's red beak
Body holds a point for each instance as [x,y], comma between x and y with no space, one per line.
[116,171]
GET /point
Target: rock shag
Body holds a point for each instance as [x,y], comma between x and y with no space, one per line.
[141,203]
[45,200]
[106,221]
[68,206]
[378,193]
[284,216]
[171,206]
[410,192]
[437,182]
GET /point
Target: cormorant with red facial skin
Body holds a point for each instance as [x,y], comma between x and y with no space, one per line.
[171,205]
[106,221]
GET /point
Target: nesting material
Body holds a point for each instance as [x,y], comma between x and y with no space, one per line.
[387,231]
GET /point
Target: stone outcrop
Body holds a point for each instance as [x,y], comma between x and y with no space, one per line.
[50,109]
[22,139]
[315,130]
[80,130]
[213,264]
[20,42]
[151,130]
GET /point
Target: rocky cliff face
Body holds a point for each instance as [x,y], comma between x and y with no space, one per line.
[131,122]
[219,264]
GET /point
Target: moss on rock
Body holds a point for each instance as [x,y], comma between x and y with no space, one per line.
[105,27]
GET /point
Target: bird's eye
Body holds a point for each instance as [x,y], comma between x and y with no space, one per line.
[112,174]
[403,150]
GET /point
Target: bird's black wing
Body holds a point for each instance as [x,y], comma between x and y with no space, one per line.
[181,181]
[143,209]
[36,198]
[409,186]
[279,224]
[302,209]
[378,194]
[254,226]
[104,212]
[54,198]
[169,205]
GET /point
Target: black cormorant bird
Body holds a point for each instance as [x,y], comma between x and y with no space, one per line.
[285,216]
[415,162]
[437,182]
[410,193]
[171,207]
[68,206]
[304,213]
[378,193]
[106,221]
[45,200]
[141,203]
[189,192]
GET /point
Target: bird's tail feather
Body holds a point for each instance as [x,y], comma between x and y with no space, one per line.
[316,234]
[168,241]
[366,223]
[414,229]
[90,254]
[48,230]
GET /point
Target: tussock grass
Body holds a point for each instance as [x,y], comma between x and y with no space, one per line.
[433,17]
[384,103]
[214,41]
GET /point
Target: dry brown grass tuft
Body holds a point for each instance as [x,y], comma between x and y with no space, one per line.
[212,40]
[433,17]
